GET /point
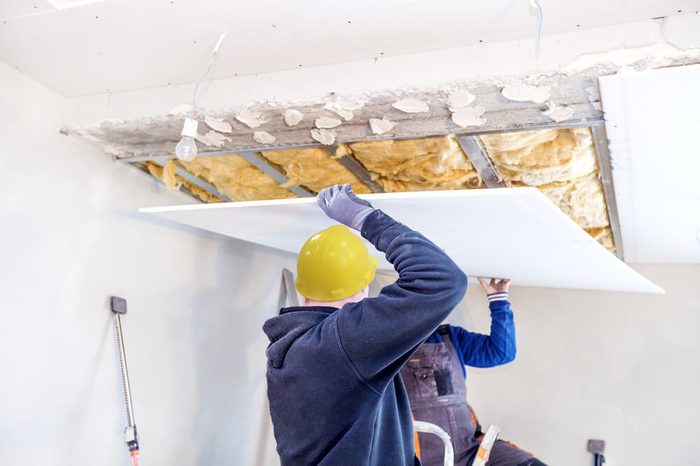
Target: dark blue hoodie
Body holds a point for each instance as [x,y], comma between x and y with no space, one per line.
[335,394]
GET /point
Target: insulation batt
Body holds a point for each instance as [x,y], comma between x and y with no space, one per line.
[553,157]
[562,164]
[603,236]
[173,181]
[517,140]
[236,178]
[420,164]
[582,199]
[314,168]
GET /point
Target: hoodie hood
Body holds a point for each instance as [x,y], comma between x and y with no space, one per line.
[292,322]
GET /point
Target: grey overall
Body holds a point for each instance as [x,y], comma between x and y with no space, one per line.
[438,394]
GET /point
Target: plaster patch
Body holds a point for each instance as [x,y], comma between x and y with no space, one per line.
[212,138]
[251,118]
[346,115]
[559,113]
[324,136]
[469,116]
[526,93]
[218,124]
[180,109]
[459,98]
[411,106]
[345,107]
[293,117]
[327,123]
[381,126]
[263,137]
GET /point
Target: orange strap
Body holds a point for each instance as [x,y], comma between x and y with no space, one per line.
[416,443]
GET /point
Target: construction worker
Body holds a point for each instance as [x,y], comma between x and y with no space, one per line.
[336,397]
[435,379]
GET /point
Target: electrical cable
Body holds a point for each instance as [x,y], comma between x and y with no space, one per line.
[206,74]
[538,38]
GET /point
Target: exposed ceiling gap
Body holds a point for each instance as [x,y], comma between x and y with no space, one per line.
[477,156]
[356,168]
[143,169]
[273,172]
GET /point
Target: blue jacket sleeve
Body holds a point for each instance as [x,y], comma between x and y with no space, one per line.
[377,335]
[489,350]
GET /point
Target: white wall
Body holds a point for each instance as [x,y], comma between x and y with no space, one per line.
[70,237]
[621,367]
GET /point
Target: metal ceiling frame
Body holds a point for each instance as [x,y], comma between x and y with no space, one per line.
[357,169]
[476,154]
[602,150]
[467,140]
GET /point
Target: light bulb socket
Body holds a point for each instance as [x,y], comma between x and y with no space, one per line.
[190,128]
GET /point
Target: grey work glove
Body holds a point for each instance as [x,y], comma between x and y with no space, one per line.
[342,205]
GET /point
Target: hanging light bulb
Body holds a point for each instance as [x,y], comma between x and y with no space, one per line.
[186,149]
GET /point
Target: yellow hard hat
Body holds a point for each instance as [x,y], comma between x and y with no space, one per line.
[334,264]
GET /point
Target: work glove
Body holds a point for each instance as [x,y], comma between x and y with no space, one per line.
[342,205]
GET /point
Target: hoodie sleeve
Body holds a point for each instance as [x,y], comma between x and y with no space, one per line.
[492,350]
[377,335]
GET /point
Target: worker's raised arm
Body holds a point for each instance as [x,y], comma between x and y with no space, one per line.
[378,334]
[499,346]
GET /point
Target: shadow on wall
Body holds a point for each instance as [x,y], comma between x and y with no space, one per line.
[230,351]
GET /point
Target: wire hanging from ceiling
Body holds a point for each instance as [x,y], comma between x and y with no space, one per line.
[186,149]
[206,74]
[538,37]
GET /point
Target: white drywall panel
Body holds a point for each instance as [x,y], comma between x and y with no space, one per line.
[652,121]
[195,347]
[132,44]
[515,233]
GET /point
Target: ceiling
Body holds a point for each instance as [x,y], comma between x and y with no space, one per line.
[653,123]
[118,45]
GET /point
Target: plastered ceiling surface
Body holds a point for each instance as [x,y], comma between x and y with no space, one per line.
[653,120]
[114,45]
[548,250]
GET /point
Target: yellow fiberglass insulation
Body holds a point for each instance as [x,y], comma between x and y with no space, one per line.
[173,181]
[603,236]
[237,178]
[581,199]
[314,168]
[504,142]
[542,157]
[562,164]
[417,164]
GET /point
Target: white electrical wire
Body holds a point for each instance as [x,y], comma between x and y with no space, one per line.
[206,74]
[538,38]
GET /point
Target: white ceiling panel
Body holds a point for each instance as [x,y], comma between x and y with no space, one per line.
[653,123]
[16,8]
[121,45]
[515,233]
